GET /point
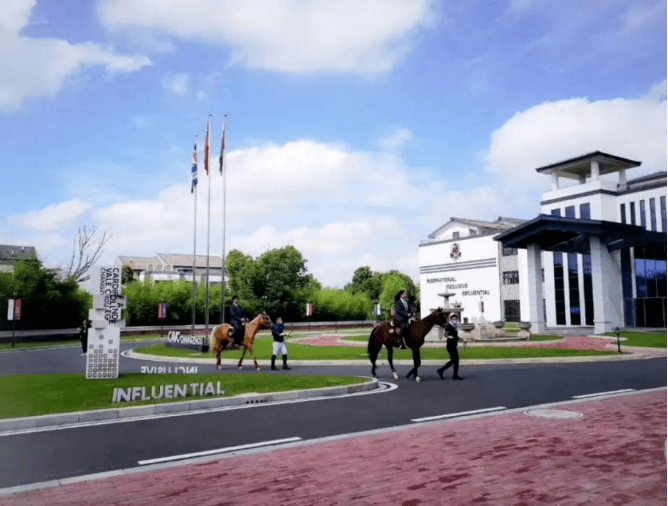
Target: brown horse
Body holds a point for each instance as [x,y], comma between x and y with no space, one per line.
[413,337]
[222,336]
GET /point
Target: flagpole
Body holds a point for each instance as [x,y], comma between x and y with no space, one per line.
[224,177]
[208,223]
[193,188]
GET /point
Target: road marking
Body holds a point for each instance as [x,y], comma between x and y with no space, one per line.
[219,450]
[454,415]
[604,393]
[383,387]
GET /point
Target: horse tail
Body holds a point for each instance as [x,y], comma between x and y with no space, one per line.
[369,346]
[215,343]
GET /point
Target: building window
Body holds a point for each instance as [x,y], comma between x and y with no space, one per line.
[455,235]
[473,231]
[588,289]
[632,211]
[559,296]
[663,214]
[511,310]
[508,252]
[643,218]
[555,212]
[149,267]
[511,277]
[573,288]
[622,212]
[585,211]
[570,211]
[652,214]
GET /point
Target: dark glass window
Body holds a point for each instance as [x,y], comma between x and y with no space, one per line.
[652,214]
[559,297]
[588,289]
[473,231]
[662,200]
[585,211]
[455,235]
[508,252]
[643,217]
[622,212]
[511,310]
[632,211]
[573,288]
[555,212]
[570,211]
[511,277]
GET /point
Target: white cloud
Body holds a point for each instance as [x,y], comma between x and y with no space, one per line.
[357,36]
[396,140]
[555,131]
[178,84]
[40,67]
[638,18]
[53,217]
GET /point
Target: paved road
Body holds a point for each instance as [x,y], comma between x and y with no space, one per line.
[56,454]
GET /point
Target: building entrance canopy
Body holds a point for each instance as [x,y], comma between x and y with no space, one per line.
[571,235]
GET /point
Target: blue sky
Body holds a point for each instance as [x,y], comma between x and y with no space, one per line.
[356,128]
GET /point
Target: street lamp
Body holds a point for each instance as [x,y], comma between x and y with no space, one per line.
[618,331]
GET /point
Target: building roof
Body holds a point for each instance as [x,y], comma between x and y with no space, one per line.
[138,263]
[579,167]
[501,223]
[571,235]
[179,260]
[11,253]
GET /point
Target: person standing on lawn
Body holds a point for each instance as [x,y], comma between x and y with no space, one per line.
[278,333]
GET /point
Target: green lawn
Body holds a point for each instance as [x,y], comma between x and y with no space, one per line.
[304,352]
[40,394]
[644,339]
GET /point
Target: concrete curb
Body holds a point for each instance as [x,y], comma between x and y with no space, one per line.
[63,419]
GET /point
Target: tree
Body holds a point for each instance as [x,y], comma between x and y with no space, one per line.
[86,250]
[393,282]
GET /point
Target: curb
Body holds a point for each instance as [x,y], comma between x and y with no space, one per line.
[64,419]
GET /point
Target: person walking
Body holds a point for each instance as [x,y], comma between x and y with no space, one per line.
[453,336]
[278,332]
[83,335]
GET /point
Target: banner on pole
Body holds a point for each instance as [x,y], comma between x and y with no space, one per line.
[162,311]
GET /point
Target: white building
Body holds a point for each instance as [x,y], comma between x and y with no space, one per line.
[594,257]
[172,267]
[463,259]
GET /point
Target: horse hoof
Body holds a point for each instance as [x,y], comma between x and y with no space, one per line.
[239,368]
[219,367]
[418,379]
[258,369]
[395,376]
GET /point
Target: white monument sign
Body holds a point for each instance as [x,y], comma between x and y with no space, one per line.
[104,335]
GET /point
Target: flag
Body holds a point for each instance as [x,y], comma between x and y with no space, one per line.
[207,146]
[194,169]
[223,140]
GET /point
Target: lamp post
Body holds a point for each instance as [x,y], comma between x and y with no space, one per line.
[618,331]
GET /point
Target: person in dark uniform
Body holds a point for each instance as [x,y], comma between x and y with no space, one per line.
[451,346]
[83,335]
[402,313]
[237,320]
[278,332]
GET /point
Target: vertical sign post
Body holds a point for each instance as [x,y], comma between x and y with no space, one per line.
[162,314]
[104,338]
[13,314]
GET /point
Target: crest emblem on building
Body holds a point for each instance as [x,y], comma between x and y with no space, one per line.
[455,252]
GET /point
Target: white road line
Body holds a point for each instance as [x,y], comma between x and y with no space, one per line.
[453,415]
[219,450]
[385,387]
[604,393]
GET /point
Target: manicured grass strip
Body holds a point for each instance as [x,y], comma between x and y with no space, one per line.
[41,394]
[643,339]
[72,342]
[305,352]
[543,337]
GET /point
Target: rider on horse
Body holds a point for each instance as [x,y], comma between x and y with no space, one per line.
[402,313]
[237,320]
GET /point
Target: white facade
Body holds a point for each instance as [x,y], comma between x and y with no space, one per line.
[463,259]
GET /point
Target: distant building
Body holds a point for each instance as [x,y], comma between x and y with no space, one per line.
[172,267]
[11,255]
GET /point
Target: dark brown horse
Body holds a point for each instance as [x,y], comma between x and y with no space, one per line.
[414,339]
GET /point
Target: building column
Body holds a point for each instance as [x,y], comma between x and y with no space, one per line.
[607,284]
[595,172]
[555,180]
[534,264]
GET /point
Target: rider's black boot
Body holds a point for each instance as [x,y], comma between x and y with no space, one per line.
[273,363]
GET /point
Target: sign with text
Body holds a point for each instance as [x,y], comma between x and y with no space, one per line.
[176,340]
[14,309]
[104,335]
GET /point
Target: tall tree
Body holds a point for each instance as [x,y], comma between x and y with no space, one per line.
[86,250]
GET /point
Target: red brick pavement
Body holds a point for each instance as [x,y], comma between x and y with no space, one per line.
[613,455]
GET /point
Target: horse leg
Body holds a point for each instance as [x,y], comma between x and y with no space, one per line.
[416,363]
[389,360]
[250,349]
[372,350]
[243,353]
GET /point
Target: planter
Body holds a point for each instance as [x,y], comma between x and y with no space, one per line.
[499,324]
[466,327]
[524,325]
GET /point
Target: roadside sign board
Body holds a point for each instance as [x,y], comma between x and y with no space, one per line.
[104,335]
[13,309]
